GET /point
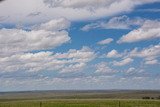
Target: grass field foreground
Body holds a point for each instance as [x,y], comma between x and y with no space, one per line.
[83,103]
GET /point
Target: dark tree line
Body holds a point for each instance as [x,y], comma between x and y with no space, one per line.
[146,97]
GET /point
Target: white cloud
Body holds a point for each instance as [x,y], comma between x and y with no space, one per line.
[105,42]
[71,9]
[78,3]
[130,70]
[103,68]
[113,54]
[149,30]
[117,23]
[91,26]
[73,60]
[121,22]
[151,62]
[46,36]
[55,25]
[135,72]
[73,67]
[123,62]
[92,4]
[148,53]
[84,83]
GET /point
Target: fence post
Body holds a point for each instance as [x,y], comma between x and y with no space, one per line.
[40,104]
[119,104]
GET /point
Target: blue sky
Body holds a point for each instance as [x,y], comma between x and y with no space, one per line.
[83,44]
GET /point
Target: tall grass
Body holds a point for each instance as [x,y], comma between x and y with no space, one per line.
[82,103]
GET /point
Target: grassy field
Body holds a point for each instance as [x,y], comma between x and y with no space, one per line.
[83,103]
[80,99]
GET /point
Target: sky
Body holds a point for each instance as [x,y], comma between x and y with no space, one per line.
[79,44]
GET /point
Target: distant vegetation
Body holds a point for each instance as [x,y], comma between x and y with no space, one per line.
[146,97]
[94,94]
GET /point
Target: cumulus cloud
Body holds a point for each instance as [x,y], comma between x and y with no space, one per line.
[149,54]
[91,3]
[55,25]
[151,62]
[149,30]
[91,26]
[71,9]
[33,14]
[105,42]
[113,54]
[100,82]
[130,70]
[16,46]
[123,62]
[73,60]
[103,68]
[121,22]
[78,3]
[135,72]
[46,36]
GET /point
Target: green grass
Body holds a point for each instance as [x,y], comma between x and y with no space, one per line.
[82,103]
